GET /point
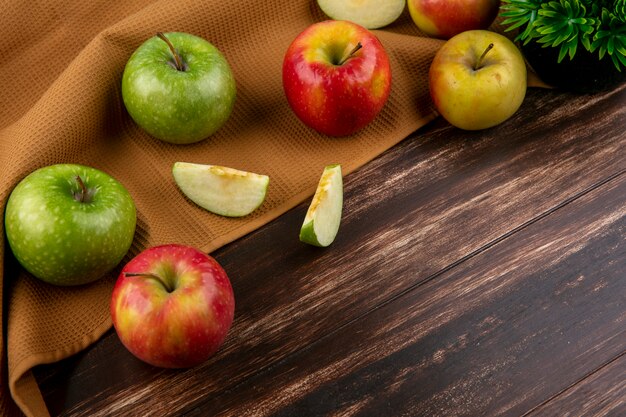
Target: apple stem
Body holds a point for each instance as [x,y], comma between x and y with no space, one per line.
[81,195]
[479,64]
[150,275]
[352,52]
[177,58]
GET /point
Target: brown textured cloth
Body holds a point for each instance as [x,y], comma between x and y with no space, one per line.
[60,71]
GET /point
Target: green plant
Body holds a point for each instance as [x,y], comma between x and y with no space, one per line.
[596,25]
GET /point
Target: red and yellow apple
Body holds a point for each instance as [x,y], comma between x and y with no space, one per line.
[477,79]
[172,306]
[337,77]
[446,18]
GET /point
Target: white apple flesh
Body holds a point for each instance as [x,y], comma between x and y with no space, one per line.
[371,14]
[323,217]
[221,190]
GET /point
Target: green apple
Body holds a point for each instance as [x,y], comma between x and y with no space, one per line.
[178,88]
[371,14]
[221,190]
[477,79]
[69,224]
[322,219]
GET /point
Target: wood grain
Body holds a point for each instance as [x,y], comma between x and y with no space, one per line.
[603,393]
[428,204]
[495,336]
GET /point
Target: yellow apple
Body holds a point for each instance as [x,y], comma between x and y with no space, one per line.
[477,79]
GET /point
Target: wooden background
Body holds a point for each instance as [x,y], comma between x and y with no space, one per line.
[475,273]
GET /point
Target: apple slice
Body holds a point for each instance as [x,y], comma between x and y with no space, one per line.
[321,222]
[371,14]
[221,190]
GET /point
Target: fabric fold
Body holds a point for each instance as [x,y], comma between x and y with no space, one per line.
[62,104]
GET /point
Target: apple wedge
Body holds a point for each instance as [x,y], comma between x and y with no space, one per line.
[371,14]
[321,222]
[221,190]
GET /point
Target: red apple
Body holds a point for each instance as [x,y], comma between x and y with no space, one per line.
[336,77]
[172,306]
[446,18]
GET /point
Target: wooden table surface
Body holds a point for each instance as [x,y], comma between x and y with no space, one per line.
[474,273]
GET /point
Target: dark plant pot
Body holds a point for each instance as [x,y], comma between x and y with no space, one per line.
[584,74]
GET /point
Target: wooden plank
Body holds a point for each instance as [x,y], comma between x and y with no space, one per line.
[424,205]
[498,335]
[602,393]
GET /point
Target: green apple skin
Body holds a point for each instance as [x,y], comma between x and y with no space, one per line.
[474,99]
[175,106]
[64,241]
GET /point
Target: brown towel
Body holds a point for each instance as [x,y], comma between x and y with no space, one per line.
[60,71]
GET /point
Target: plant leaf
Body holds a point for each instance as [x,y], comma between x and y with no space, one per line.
[610,45]
[513,24]
[597,25]
[562,53]
[572,48]
[616,62]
